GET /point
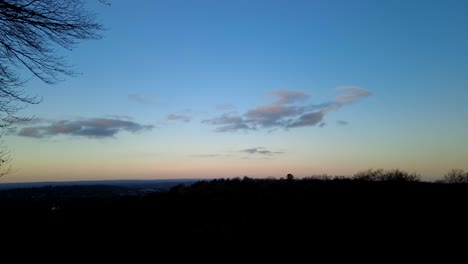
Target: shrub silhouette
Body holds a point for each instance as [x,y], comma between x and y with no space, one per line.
[456,176]
[381,175]
[369,175]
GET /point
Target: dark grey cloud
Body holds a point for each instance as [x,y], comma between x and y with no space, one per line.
[139,99]
[323,124]
[178,117]
[342,123]
[309,119]
[287,112]
[261,151]
[91,128]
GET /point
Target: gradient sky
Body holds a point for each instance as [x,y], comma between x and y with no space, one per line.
[203,89]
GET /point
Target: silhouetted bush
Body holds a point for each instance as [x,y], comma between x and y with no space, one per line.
[456,176]
[381,175]
[369,175]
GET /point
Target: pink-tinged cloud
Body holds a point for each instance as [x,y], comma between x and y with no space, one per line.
[352,94]
[286,112]
[288,96]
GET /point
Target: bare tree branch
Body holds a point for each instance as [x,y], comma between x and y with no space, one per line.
[31,32]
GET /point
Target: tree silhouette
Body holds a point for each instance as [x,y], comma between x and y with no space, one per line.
[30,33]
[5,158]
[380,175]
[456,176]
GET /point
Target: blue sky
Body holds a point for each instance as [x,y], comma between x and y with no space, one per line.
[183,89]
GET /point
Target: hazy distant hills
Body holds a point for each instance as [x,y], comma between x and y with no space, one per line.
[53,193]
[160,185]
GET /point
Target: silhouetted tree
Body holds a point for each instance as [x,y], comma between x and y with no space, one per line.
[456,176]
[5,159]
[30,32]
[290,177]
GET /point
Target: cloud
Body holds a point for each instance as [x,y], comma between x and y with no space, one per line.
[91,128]
[32,121]
[273,115]
[309,119]
[261,151]
[250,153]
[125,117]
[290,110]
[205,156]
[352,95]
[177,117]
[139,99]
[342,123]
[228,122]
[225,106]
[288,97]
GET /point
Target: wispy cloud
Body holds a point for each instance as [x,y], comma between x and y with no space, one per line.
[229,122]
[32,121]
[137,98]
[342,122]
[290,110]
[206,156]
[123,117]
[288,96]
[177,117]
[225,106]
[351,95]
[261,151]
[90,128]
[250,153]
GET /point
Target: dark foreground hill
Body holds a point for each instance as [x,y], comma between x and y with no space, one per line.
[333,210]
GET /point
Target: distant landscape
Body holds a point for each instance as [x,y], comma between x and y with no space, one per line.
[157,185]
[369,200]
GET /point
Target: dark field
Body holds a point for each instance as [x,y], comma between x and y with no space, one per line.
[249,208]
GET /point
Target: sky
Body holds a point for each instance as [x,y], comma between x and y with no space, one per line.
[211,89]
